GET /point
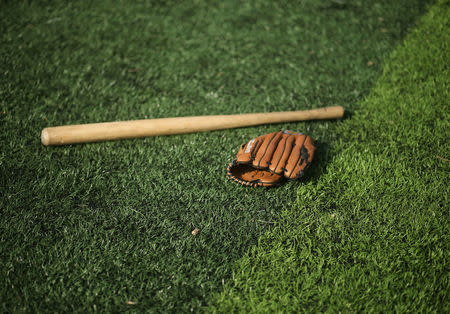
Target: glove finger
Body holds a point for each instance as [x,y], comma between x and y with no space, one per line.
[266,150]
[295,156]
[282,153]
[259,141]
[307,154]
[304,154]
[244,154]
[247,151]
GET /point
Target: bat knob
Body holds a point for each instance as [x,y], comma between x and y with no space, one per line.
[45,137]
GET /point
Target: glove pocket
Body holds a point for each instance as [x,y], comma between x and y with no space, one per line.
[246,174]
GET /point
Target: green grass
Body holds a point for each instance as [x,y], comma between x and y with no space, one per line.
[370,232]
[92,227]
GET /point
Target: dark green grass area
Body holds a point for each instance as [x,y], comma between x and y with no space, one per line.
[371,229]
[95,226]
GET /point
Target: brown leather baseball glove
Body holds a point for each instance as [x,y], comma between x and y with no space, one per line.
[270,159]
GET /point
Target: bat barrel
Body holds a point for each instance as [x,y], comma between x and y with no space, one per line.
[95,132]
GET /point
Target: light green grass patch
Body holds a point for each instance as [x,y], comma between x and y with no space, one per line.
[371,233]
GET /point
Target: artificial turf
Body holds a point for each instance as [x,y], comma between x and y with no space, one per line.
[107,226]
[370,232]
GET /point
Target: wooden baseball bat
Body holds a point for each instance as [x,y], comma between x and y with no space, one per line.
[95,132]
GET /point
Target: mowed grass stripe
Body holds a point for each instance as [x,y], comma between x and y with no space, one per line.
[371,233]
